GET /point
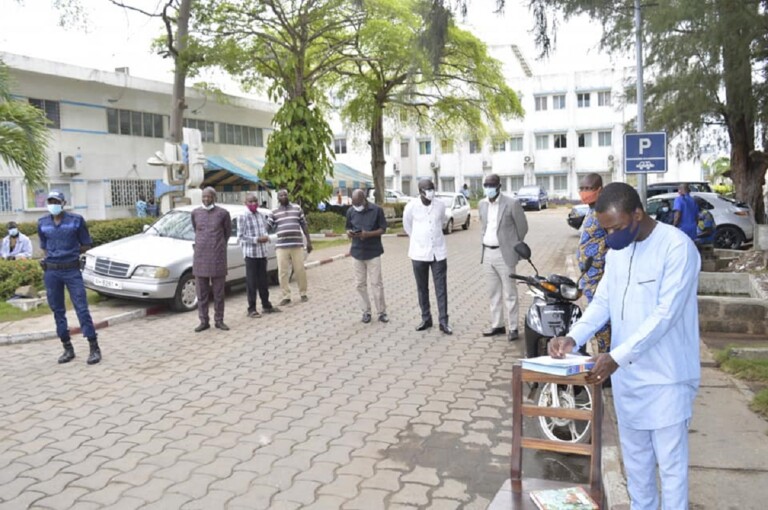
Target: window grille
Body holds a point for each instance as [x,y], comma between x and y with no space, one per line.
[5,197]
[125,192]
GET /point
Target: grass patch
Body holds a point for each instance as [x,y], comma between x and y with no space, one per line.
[9,313]
[752,370]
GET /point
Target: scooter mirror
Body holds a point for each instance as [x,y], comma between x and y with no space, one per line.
[523,250]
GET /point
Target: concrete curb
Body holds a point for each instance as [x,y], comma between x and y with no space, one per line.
[614,481]
[23,338]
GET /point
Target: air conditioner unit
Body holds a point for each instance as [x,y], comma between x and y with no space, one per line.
[68,163]
[487,163]
[564,160]
[434,165]
[610,157]
[528,159]
[395,167]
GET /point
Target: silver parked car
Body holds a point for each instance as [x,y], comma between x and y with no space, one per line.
[157,264]
[734,221]
[456,211]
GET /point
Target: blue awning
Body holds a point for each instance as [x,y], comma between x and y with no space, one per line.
[244,168]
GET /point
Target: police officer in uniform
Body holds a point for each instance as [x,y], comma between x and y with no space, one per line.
[63,237]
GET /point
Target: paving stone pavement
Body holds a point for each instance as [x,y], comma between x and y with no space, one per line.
[309,408]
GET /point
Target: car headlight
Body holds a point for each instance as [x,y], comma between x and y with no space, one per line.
[151,272]
[569,292]
[90,262]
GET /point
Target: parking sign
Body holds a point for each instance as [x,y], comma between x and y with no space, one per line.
[645,152]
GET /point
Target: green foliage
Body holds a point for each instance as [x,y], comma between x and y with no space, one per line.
[723,189]
[753,370]
[15,273]
[27,229]
[106,231]
[319,221]
[23,134]
[399,208]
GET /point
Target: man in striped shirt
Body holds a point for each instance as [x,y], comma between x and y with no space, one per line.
[253,237]
[291,227]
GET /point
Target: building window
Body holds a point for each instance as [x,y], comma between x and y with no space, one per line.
[516,182]
[604,98]
[583,99]
[36,198]
[51,110]
[125,192]
[389,182]
[5,197]
[560,182]
[543,181]
[206,128]
[448,184]
[128,122]
[516,144]
[475,147]
[475,185]
[604,138]
[541,103]
[558,102]
[585,139]
[446,146]
[499,146]
[404,149]
[387,147]
[233,134]
[340,146]
[542,142]
[560,141]
[425,147]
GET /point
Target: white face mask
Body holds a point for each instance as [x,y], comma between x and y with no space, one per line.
[429,194]
[13,232]
[358,208]
[208,207]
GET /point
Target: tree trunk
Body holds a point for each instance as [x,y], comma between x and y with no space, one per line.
[377,154]
[178,100]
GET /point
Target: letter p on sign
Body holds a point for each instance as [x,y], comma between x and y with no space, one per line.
[645,143]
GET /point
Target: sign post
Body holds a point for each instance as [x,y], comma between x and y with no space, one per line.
[645,153]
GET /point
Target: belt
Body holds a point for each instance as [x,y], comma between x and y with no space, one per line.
[490,247]
[66,265]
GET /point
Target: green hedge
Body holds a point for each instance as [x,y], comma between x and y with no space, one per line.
[28,229]
[15,273]
[399,208]
[319,221]
[106,231]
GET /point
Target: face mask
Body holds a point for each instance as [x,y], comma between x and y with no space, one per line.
[665,209]
[54,209]
[620,239]
[588,196]
[429,194]
[208,207]
[252,207]
[358,208]
[490,192]
[13,232]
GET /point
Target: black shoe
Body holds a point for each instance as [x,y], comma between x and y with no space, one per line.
[512,336]
[304,299]
[220,325]
[445,328]
[285,301]
[202,327]
[495,331]
[271,309]
[95,355]
[69,352]
[383,317]
[366,317]
[424,325]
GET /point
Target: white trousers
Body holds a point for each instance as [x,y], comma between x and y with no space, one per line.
[369,271]
[501,289]
[643,451]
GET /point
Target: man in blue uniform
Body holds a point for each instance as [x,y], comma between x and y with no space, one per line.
[63,237]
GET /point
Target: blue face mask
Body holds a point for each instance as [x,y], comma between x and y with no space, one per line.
[620,239]
[54,209]
[490,192]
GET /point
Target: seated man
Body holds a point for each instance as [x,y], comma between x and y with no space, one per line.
[705,226]
[15,245]
[664,213]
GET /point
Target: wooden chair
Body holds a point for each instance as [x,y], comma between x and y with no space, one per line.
[521,488]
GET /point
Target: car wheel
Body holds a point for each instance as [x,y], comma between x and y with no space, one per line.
[729,237]
[185,299]
[538,206]
[449,227]
[465,226]
[546,205]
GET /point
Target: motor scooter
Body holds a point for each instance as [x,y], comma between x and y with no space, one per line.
[553,312]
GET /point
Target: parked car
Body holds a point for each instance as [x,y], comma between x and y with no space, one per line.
[660,188]
[456,211]
[391,196]
[577,214]
[533,197]
[735,221]
[156,265]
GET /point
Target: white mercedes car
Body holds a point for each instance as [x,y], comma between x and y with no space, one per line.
[156,265]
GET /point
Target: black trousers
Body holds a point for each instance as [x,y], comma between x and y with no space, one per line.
[256,280]
[439,277]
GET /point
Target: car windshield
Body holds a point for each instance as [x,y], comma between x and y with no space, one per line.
[175,224]
[446,199]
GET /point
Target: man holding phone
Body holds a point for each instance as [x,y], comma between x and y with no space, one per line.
[365,226]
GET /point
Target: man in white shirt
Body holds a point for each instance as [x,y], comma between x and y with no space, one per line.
[503,226]
[648,292]
[423,222]
[15,245]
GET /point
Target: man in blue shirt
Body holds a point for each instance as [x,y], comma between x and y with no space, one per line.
[365,226]
[63,237]
[686,212]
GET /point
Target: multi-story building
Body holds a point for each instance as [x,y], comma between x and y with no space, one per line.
[574,124]
[105,125]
